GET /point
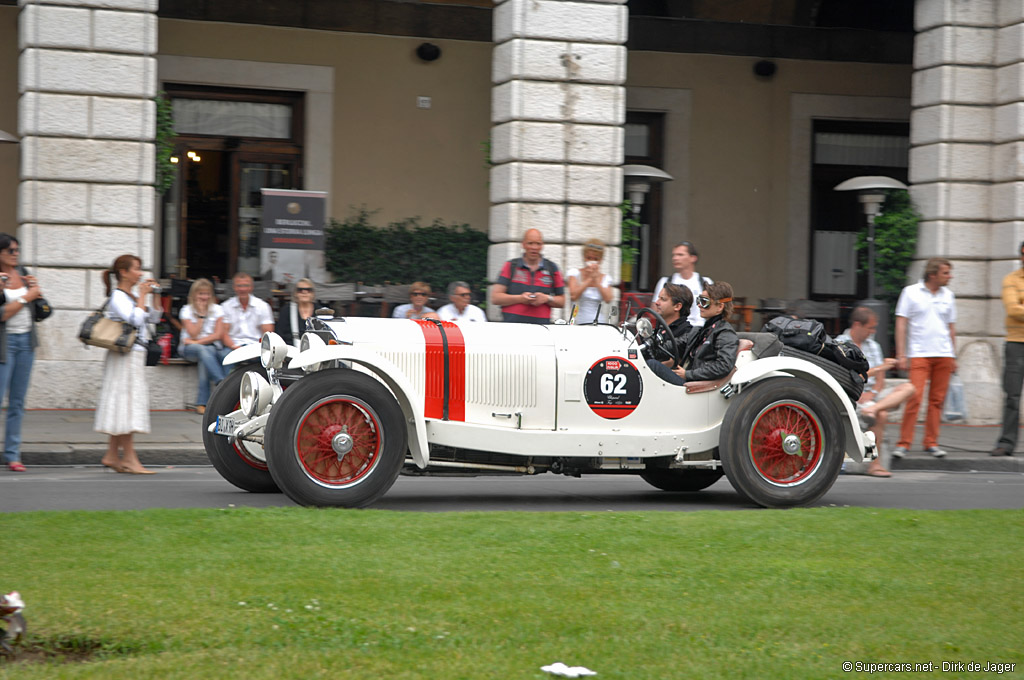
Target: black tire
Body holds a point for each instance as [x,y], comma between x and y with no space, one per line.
[681,480]
[234,461]
[761,425]
[842,375]
[311,414]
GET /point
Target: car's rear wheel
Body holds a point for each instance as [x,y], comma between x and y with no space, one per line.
[336,438]
[782,443]
[241,463]
[681,480]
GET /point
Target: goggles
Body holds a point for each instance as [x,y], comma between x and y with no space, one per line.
[703,301]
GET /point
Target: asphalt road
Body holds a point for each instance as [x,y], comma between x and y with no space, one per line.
[96,488]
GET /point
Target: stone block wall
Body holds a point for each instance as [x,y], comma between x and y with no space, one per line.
[86,115]
[967,170]
[558,107]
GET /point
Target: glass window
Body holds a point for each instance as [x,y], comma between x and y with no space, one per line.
[638,136]
[840,148]
[232,118]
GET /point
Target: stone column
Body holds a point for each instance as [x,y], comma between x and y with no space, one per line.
[558,107]
[966,168]
[87,78]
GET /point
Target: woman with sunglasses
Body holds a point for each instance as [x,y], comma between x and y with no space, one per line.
[291,318]
[419,295]
[711,350]
[17,344]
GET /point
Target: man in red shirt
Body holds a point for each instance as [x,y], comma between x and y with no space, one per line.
[529,287]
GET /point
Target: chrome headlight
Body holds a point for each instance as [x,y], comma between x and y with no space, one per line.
[255,394]
[273,351]
[311,341]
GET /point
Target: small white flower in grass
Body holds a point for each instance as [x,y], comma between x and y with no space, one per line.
[410,629]
[241,604]
[309,607]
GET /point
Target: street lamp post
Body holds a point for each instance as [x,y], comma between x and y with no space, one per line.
[871,194]
[638,182]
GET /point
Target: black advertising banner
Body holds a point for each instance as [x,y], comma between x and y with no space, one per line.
[292,241]
[293,219]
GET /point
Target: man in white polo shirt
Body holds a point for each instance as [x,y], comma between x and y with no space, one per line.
[926,344]
[247,316]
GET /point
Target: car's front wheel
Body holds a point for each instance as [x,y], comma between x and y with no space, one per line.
[681,480]
[782,443]
[241,463]
[336,438]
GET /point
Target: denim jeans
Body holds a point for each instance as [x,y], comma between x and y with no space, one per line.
[14,377]
[664,372]
[209,358]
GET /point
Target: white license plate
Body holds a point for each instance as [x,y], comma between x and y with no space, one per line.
[228,425]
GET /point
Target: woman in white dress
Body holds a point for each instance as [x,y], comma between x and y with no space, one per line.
[123,408]
[588,287]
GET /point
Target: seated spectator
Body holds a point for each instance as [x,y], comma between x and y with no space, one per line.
[419,295]
[247,317]
[202,327]
[673,304]
[459,310]
[711,350]
[877,399]
[291,318]
[589,287]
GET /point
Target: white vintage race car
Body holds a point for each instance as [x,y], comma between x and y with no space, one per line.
[334,422]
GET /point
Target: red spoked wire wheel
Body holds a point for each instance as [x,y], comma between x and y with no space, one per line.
[338,441]
[785,443]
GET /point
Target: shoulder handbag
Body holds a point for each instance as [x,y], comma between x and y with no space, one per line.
[106,333]
[41,309]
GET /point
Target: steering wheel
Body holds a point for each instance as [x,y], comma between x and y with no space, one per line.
[658,337]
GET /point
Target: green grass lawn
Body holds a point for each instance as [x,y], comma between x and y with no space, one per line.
[305,593]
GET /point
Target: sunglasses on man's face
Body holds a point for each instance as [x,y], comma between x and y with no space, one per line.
[12,251]
[420,294]
[304,290]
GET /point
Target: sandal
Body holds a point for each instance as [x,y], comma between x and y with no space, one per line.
[16,467]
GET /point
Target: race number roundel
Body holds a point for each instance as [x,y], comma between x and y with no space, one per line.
[613,388]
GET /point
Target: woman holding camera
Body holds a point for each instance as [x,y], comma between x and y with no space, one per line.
[123,409]
[589,286]
[17,344]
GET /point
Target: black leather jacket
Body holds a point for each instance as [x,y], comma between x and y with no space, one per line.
[680,329]
[711,350]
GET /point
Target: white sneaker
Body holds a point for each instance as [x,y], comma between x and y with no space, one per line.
[935,451]
[899,452]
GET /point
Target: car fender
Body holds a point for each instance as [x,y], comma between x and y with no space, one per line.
[391,376]
[251,352]
[857,442]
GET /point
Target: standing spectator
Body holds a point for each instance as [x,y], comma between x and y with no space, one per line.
[123,408]
[202,328]
[292,317]
[684,261]
[459,310]
[589,285]
[17,344]
[247,317]
[416,308]
[529,287]
[877,400]
[926,343]
[1013,359]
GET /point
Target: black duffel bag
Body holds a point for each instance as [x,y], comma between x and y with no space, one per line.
[806,335]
